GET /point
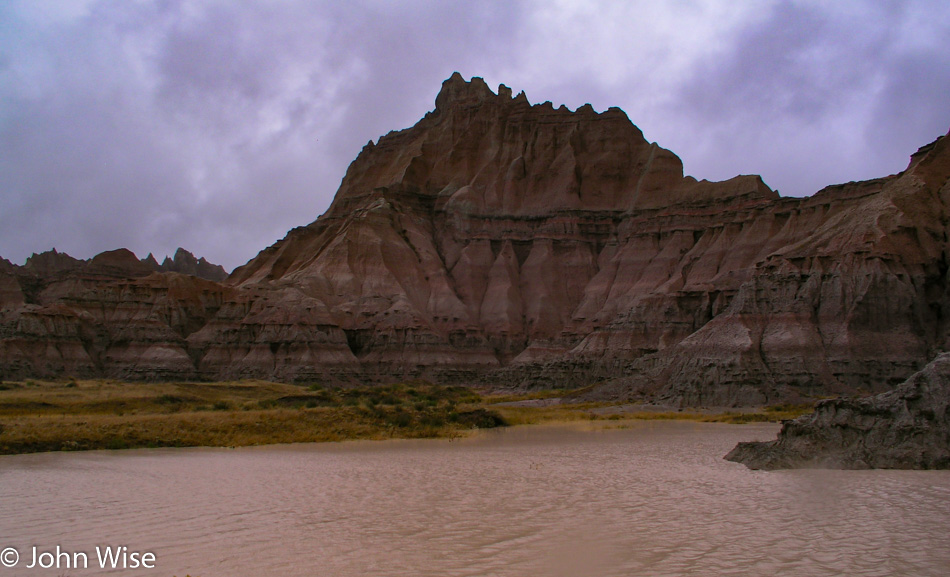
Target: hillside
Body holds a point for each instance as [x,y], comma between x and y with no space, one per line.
[525,245]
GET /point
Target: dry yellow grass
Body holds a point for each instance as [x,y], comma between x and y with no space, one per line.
[568,412]
[104,414]
[49,416]
[532,415]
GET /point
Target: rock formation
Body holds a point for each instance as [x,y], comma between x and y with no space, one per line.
[525,245]
[185,263]
[848,296]
[112,315]
[906,428]
[118,264]
[497,236]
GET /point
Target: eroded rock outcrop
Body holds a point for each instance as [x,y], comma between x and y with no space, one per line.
[495,235]
[906,428]
[525,245]
[185,263]
[849,296]
[112,315]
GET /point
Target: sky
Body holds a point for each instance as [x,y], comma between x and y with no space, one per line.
[218,126]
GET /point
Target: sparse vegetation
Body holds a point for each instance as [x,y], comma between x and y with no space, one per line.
[80,415]
[516,413]
[105,414]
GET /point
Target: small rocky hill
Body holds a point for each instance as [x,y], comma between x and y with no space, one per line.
[907,428]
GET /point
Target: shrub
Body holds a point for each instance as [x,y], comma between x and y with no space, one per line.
[400,419]
[479,418]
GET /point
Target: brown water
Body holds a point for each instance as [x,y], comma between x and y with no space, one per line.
[652,499]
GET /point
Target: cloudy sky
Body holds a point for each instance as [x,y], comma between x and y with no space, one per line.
[219,125]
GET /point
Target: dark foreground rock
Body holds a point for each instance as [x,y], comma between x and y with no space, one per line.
[906,428]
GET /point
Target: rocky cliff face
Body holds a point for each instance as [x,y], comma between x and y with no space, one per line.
[113,315]
[906,428]
[849,296]
[496,235]
[525,245]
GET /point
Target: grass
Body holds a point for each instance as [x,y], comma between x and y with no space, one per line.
[104,414]
[600,411]
[81,415]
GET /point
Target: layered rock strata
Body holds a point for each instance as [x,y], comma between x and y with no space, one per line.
[524,245]
[906,428]
[495,234]
[853,301]
[113,315]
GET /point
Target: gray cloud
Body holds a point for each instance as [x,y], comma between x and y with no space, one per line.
[803,95]
[219,125]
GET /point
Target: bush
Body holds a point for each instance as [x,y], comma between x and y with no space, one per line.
[479,418]
[400,419]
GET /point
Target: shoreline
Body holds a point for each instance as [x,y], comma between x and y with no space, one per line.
[465,438]
[84,415]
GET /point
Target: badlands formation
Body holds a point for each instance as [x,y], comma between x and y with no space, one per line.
[518,245]
[906,428]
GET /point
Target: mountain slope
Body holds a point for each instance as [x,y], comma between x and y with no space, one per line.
[525,245]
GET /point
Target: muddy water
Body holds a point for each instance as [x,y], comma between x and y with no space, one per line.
[651,499]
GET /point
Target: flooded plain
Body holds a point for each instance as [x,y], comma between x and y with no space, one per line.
[654,498]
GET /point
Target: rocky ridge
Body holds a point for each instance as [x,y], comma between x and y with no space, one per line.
[525,245]
[185,263]
[113,315]
[120,264]
[906,428]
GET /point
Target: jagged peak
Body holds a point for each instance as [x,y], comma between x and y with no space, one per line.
[151,262]
[457,92]
[50,261]
[185,262]
[118,263]
[586,109]
[184,255]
